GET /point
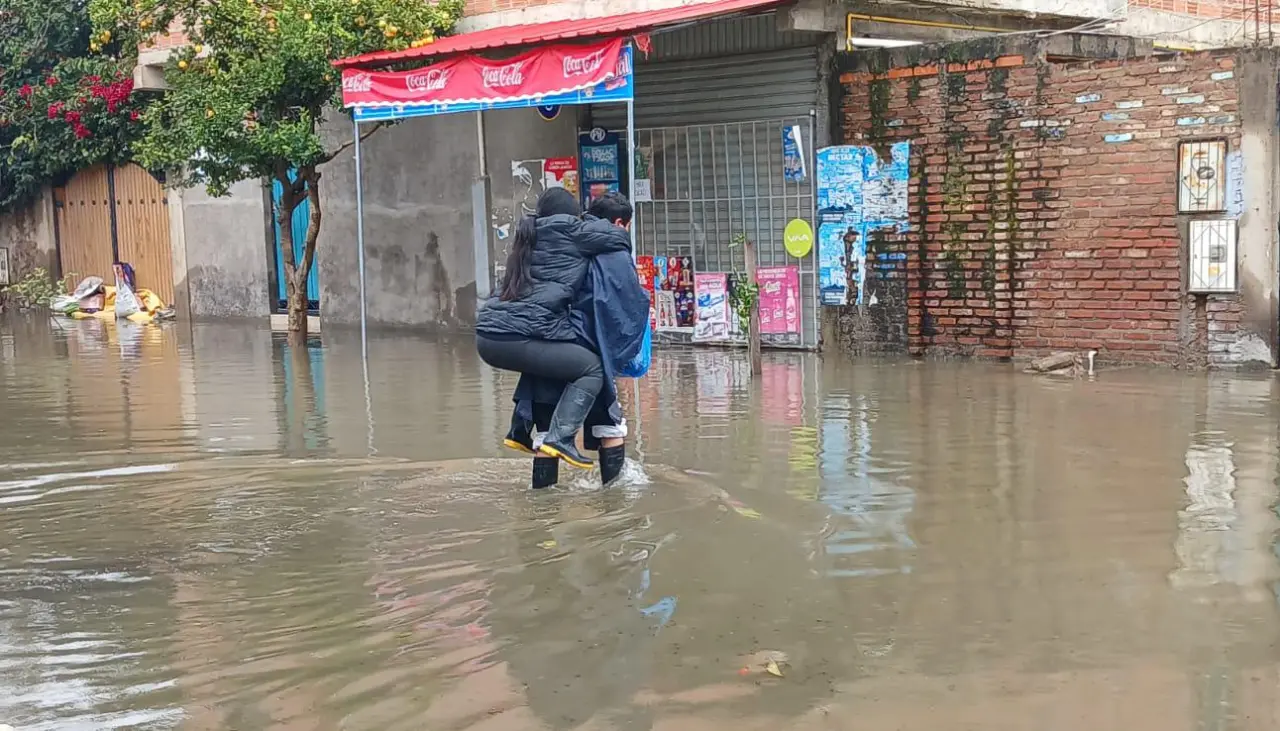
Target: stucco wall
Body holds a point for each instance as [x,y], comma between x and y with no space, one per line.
[28,235]
[420,263]
[220,252]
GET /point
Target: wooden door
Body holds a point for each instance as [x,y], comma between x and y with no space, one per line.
[142,229]
[84,225]
[96,229]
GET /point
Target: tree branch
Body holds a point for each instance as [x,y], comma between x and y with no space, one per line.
[345,145]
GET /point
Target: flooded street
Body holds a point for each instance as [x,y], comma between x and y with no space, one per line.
[206,529]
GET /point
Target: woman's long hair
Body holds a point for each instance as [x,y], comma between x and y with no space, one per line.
[517,279]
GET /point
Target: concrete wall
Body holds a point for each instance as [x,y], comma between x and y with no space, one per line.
[417,182]
[220,252]
[420,263]
[28,235]
[1257,72]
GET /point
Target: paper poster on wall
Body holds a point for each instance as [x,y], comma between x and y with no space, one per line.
[648,274]
[643,191]
[711,291]
[779,300]
[600,155]
[858,193]
[833,271]
[793,154]
[4,267]
[561,172]
[674,274]
[666,302]
[1235,184]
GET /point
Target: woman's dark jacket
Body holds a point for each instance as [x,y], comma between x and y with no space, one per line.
[561,256]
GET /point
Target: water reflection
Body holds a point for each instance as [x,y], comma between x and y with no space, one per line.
[208,528]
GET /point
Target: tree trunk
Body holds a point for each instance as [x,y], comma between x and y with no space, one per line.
[295,298]
[295,272]
[753,322]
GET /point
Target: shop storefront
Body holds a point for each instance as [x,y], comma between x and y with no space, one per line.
[725,128]
[725,116]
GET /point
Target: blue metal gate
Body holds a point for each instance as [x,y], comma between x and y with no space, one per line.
[301,219]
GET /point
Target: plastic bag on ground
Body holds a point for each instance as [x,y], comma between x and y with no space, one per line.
[127,303]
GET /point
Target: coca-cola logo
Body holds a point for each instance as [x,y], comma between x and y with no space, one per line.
[431,80]
[358,83]
[504,77]
[583,65]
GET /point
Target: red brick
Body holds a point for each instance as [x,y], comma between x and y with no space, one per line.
[1076,245]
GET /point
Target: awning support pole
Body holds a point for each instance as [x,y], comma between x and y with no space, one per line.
[364,332]
[364,340]
[631,157]
[481,228]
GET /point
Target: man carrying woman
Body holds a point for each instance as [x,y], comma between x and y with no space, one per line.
[569,313]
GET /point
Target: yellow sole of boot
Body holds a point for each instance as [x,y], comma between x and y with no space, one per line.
[553,452]
[513,444]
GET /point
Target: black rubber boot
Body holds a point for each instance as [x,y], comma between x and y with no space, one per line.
[546,472]
[520,435]
[612,459]
[570,413]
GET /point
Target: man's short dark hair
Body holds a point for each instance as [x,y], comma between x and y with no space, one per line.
[612,207]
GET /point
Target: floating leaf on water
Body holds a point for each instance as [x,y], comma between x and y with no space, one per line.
[746,512]
[773,669]
[548,545]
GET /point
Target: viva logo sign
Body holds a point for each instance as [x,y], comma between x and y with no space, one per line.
[504,77]
[432,80]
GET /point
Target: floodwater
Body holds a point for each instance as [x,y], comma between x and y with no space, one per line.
[206,529]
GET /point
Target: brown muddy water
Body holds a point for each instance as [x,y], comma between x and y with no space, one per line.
[206,529]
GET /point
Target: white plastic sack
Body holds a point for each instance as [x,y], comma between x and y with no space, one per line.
[126,301]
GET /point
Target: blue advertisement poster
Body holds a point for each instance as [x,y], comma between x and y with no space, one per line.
[793,154]
[858,192]
[600,158]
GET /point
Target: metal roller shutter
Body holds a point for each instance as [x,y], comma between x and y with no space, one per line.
[727,89]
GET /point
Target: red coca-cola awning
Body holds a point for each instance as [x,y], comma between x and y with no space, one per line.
[463,82]
[525,35]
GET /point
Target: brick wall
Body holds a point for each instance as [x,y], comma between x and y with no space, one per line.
[1042,208]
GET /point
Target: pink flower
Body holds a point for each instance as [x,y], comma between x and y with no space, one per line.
[55,110]
[51,81]
[134,116]
[82,132]
[73,117]
[26,91]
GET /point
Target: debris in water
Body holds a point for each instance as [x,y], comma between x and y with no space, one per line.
[546,545]
[773,662]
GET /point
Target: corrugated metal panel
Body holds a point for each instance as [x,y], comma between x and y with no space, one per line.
[742,88]
[727,37]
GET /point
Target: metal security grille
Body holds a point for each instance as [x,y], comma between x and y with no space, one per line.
[714,183]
